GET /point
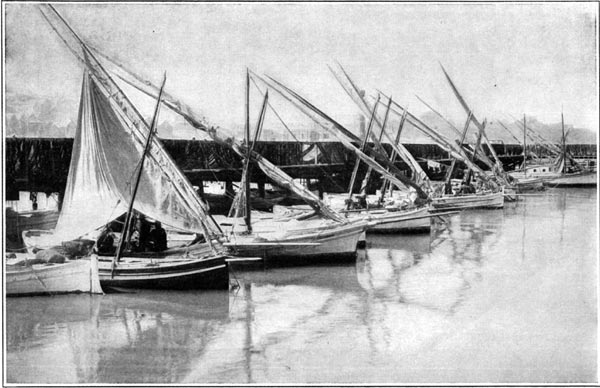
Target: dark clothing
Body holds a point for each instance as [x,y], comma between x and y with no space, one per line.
[106,243]
[467,189]
[448,188]
[157,240]
[144,234]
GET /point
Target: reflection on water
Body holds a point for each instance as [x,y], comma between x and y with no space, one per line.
[495,296]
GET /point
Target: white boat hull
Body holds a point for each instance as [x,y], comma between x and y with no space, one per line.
[47,279]
[576,179]
[410,221]
[330,241]
[529,184]
[475,201]
[554,179]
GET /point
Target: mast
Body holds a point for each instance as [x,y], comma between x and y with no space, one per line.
[482,156]
[126,235]
[362,148]
[477,145]
[524,143]
[368,175]
[564,146]
[477,123]
[343,135]
[419,177]
[394,154]
[247,170]
[462,139]
[236,206]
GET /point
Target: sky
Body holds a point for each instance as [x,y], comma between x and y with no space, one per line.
[505,58]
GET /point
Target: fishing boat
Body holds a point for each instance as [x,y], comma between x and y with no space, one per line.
[176,269]
[558,176]
[118,167]
[490,200]
[306,241]
[396,215]
[564,171]
[405,221]
[71,276]
[17,222]
[308,237]
[528,183]
[553,175]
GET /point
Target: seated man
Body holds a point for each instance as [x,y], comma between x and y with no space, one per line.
[106,240]
[467,188]
[157,240]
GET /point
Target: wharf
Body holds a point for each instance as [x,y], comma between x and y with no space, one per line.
[42,164]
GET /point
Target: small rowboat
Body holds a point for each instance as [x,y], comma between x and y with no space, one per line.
[72,276]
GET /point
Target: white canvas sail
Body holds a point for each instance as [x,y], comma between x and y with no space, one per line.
[198,122]
[106,154]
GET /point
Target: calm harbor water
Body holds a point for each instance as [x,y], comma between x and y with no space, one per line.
[500,296]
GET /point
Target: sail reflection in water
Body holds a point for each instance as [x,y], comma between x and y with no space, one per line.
[149,337]
[502,296]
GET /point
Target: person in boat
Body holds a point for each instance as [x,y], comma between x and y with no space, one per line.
[157,240]
[361,201]
[448,188]
[139,236]
[105,245]
[479,184]
[467,188]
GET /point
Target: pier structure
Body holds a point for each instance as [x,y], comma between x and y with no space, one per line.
[42,164]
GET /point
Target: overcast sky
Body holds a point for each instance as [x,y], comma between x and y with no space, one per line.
[505,58]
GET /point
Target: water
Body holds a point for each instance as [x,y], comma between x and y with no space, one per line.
[502,296]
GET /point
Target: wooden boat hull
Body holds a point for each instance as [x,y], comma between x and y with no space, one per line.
[529,184]
[328,243]
[181,268]
[165,273]
[49,279]
[477,201]
[17,222]
[554,179]
[410,221]
[588,179]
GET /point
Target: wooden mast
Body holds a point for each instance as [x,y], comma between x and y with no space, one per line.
[524,143]
[477,146]
[462,140]
[394,154]
[125,234]
[247,170]
[369,171]
[362,148]
[236,206]
[564,146]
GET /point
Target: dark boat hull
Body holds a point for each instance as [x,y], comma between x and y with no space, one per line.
[165,274]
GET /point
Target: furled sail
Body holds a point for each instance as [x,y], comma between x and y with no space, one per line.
[454,149]
[419,176]
[106,152]
[344,136]
[498,167]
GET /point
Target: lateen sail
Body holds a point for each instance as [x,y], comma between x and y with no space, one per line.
[106,154]
[100,180]
[420,177]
